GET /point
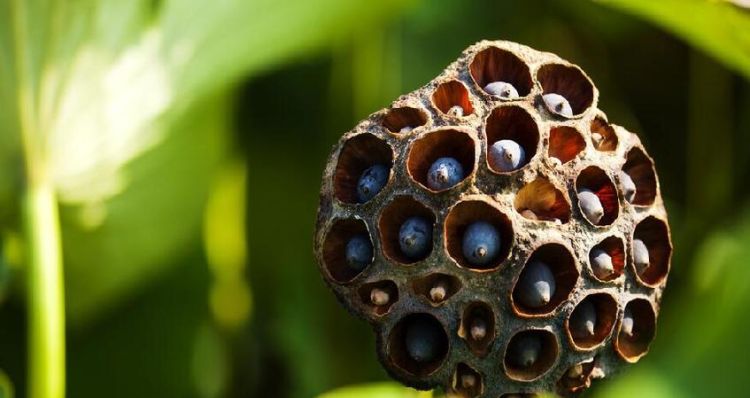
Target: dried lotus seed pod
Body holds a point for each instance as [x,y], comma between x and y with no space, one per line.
[500,235]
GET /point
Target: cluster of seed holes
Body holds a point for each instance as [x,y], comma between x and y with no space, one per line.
[530,354]
[358,154]
[378,297]
[654,233]
[452,98]
[478,327]
[592,321]
[424,333]
[569,82]
[577,377]
[603,136]
[540,200]
[514,123]
[467,382]
[463,214]
[637,330]
[640,168]
[561,263]
[565,143]
[334,248]
[428,148]
[403,120]
[614,250]
[497,65]
[392,218]
[597,181]
[437,288]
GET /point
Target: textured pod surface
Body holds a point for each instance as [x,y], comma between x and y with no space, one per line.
[442,320]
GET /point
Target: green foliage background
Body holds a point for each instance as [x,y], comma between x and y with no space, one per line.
[185,140]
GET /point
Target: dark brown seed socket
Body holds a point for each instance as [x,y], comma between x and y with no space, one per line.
[450,94]
[466,212]
[494,64]
[467,382]
[632,347]
[540,200]
[478,328]
[615,248]
[597,181]
[436,289]
[512,122]
[400,119]
[655,234]
[431,146]
[640,168]
[547,355]
[565,143]
[334,249]
[358,153]
[569,82]
[398,353]
[561,262]
[603,136]
[605,307]
[393,216]
[378,297]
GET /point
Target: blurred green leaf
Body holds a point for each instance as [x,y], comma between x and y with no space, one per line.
[716,27]
[376,390]
[130,105]
[6,387]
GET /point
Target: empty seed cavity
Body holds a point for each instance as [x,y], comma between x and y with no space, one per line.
[603,135]
[478,235]
[640,169]
[541,200]
[568,91]
[607,259]
[441,159]
[545,281]
[404,119]
[406,230]
[418,344]
[577,378]
[651,251]
[437,288]
[512,137]
[378,297]
[565,143]
[637,330]
[467,382]
[530,354]
[452,98]
[478,328]
[501,73]
[347,249]
[363,168]
[592,321]
[597,196]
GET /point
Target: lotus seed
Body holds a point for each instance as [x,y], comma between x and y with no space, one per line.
[358,252]
[601,261]
[438,292]
[575,371]
[468,381]
[627,323]
[444,173]
[481,243]
[415,237]
[536,285]
[478,329]
[529,214]
[628,186]
[503,90]
[591,206]
[506,155]
[583,320]
[379,297]
[526,350]
[640,255]
[422,341]
[557,104]
[371,182]
[456,110]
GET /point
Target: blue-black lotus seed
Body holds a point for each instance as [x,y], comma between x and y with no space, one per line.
[444,173]
[583,320]
[415,237]
[557,104]
[359,252]
[371,182]
[481,243]
[422,341]
[506,155]
[591,206]
[526,350]
[536,285]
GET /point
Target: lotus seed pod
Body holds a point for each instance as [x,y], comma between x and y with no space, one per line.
[591,206]
[524,274]
[481,243]
[371,182]
[444,173]
[628,186]
[506,155]
[359,252]
[640,255]
[503,90]
[415,237]
[557,104]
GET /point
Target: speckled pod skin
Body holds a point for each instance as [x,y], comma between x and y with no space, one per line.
[535,208]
